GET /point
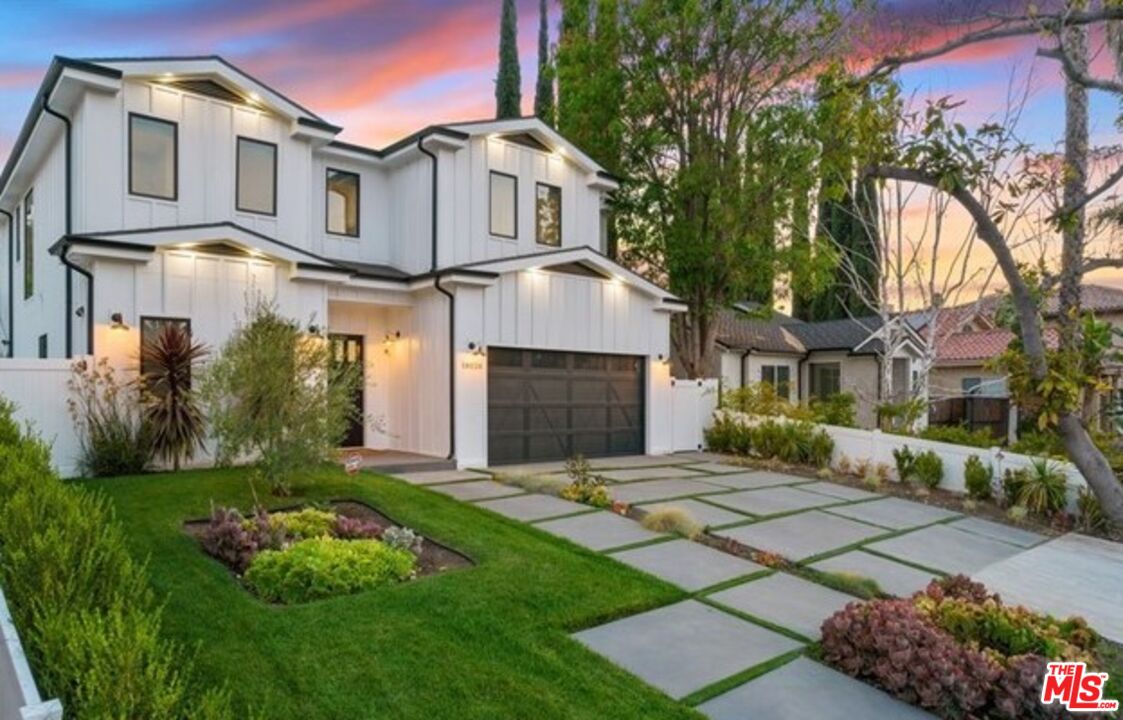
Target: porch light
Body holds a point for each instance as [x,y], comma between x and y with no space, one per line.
[117,321]
[478,350]
[389,340]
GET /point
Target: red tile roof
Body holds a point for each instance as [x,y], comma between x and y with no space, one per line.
[981,345]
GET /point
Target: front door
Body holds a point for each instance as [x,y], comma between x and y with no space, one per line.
[348,350]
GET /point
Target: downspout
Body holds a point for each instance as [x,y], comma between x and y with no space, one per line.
[451,306]
[11,279]
[744,356]
[71,267]
[799,377]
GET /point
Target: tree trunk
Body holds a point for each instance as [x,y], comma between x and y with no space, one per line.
[1075,45]
[1093,466]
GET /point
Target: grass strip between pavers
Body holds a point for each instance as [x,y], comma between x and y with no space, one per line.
[733,681]
[908,563]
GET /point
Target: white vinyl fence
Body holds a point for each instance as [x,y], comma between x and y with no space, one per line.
[19,696]
[692,411]
[38,389]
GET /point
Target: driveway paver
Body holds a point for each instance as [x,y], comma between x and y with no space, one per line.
[532,507]
[785,600]
[434,477]
[718,468]
[645,473]
[636,461]
[892,577]
[772,501]
[798,537]
[950,551]
[1072,575]
[756,479]
[805,689]
[690,565]
[648,491]
[705,513]
[998,531]
[685,647]
[894,513]
[599,530]
[843,492]
[478,490]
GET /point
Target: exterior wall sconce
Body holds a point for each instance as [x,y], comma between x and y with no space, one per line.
[477,349]
[664,359]
[388,341]
[313,329]
[117,321]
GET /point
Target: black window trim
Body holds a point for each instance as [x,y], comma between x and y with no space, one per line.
[358,202]
[175,157]
[537,241]
[44,347]
[238,173]
[28,250]
[815,389]
[490,229]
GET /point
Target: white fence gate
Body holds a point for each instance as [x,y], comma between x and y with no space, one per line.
[692,411]
[38,389]
[19,696]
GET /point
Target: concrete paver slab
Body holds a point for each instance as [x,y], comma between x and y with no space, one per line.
[805,689]
[685,647]
[643,473]
[532,507]
[772,501]
[894,513]
[892,577]
[798,537]
[599,530]
[661,490]
[635,461]
[787,601]
[998,531]
[478,490]
[756,479]
[1071,575]
[950,551]
[435,477]
[718,468]
[705,513]
[843,492]
[690,565]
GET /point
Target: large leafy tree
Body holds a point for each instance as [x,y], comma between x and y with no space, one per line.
[544,105]
[717,147]
[508,84]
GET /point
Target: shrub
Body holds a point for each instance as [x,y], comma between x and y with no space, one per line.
[978,478]
[306,523]
[820,448]
[904,460]
[1041,444]
[837,409]
[88,618]
[548,484]
[844,465]
[326,567]
[729,436]
[1012,483]
[673,520]
[113,437]
[584,488]
[891,644]
[1045,490]
[849,583]
[402,538]
[1090,516]
[1017,513]
[348,528]
[958,435]
[170,407]
[928,469]
[229,538]
[275,393]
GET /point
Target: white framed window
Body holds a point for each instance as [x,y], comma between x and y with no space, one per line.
[504,201]
[547,211]
[256,177]
[343,203]
[153,157]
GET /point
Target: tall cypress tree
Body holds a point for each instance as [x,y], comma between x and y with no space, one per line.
[590,81]
[508,90]
[544,89]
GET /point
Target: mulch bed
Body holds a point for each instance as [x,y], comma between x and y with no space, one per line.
[434,558]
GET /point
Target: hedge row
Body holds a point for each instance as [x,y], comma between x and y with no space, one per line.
[89,621]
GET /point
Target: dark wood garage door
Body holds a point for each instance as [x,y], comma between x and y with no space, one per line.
[553,405]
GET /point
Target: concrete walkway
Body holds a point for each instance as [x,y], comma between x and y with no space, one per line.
[742,616]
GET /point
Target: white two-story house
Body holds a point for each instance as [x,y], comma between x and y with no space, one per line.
[462,267]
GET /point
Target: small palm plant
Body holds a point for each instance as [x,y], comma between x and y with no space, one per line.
[1045,488]
[170,407]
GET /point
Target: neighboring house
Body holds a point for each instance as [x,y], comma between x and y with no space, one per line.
[460,267]
[805,360]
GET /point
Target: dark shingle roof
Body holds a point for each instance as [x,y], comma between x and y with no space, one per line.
[845,334]
[739,331]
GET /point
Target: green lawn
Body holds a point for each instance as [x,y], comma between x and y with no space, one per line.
[486,642]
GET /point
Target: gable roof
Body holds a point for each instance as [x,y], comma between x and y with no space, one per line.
[845,334]
[737,330]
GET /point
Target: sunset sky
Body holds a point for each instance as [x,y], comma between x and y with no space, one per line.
[383,68]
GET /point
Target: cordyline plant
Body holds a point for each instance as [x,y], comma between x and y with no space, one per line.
[274,393]
[171,408]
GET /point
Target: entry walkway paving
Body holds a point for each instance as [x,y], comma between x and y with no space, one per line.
[802,536]
[651,490]
[599,530]
[436,477]
[477,490]
[685,647]
[532,507]
[690,565]
[787,601]
[892,577]
[950,551]
[632,474]
[805,689]
[772,501]
[703,512]
[894,513]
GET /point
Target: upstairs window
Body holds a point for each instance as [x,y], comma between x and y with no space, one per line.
[153,157]
[257,177]
[548,214]
[826,379]
[504,205]
[29,245]
[343,203]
